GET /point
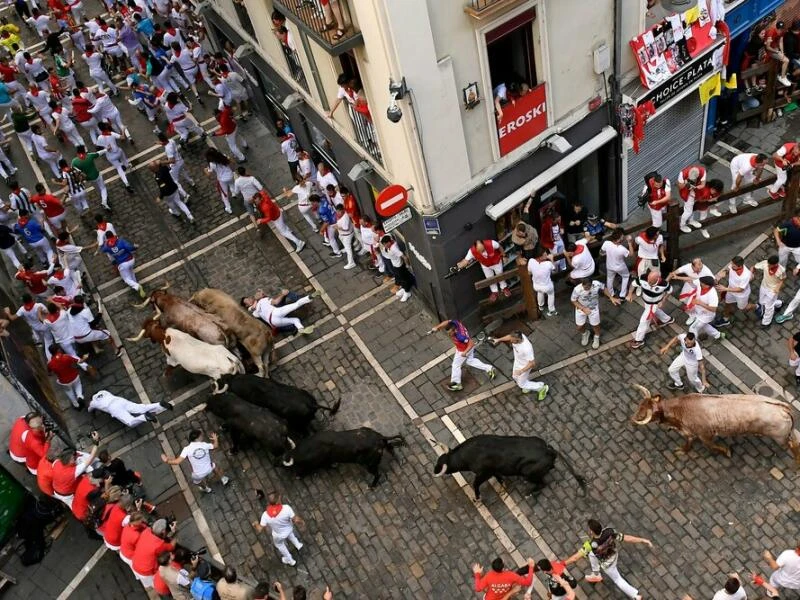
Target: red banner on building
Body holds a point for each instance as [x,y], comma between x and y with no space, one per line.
[523,120]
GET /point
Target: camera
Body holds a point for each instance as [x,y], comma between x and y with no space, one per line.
[394,113]
[199,552]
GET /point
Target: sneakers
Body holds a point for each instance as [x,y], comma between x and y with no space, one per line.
[705,233]
[324,242]
[593,578]
[335,254]
[695,224]
[690,320]
[507,292]
[491,374]
[291,562]
[596,342]
[783,318]
[150,417]
[759,310]
[784,81]
[773,195]
[142,293]
[405,297]
[399,292]
[734,210]
[585,338]
[206,489]
[636,344]
[675,386]
[129,189]
[225,480]
[714,212]
[493,297]
[686,229]
[300,246]
[349,266]
[167,405]
[307,330]
[722,335]
[551,313]
[720,323]
[542,393]
[455,387]
[670,322]
[751,202]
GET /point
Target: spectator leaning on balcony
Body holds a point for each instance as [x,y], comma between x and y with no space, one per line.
[349,92]
[490,255]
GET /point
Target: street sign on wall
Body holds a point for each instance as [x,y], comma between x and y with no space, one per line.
[395,221]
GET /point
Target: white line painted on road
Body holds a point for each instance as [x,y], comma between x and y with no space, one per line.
[300,351]
[426,367]
[76,581]
[372,311]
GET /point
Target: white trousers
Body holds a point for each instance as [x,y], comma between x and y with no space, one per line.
[613,574]
[699,327]
[491,272]
[80,201]
[793,304]
[525,383]
[25,139]
[307,215]
[330,234]
[283,229]
[91,127]
[12,256]
[280,314]
[103,81]
[558,248]
[225,192]
[176,205]
[177,171]
[783,255]
[746,180]
[43,250]
[120,162]
[649,314]
[347,242]
[769,301]
[469,358]
[231,139]
[656,216]
[65,499]
[688,210]
[780,180]
[280,544]
[691,372]
[549,294]
[73,389]
[73,135]
[100,186]
[625,276]
[52,158]
[186,126]
[132,413]
[127,274]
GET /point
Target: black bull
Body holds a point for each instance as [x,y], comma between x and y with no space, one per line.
[295,405]
[247,422]
[363,446]
[503,456]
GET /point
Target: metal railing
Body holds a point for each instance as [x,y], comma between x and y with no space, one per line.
[330,22]
[365,132]
[295,68]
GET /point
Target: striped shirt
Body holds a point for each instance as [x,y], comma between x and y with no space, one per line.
[74,180]
[653,294]
[22,200]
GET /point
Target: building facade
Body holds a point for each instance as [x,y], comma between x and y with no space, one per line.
[468,169]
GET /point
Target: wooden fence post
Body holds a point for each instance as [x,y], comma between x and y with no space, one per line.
[673,235]
[531,304]
[790,200]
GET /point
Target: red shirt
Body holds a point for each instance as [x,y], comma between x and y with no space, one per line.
[51,205]
[112,526]
[64,478]
[15,444]
[497,585]
[351,208]
[267,207]
[161,588]
[33,280]
[80,504]
[226,122]
[772,38]
[147,550]
[63,365]
[35,447]
[80,108]
[129,540]
[44,476]
[8,73]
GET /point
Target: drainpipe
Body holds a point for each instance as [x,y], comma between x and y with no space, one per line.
[616,100]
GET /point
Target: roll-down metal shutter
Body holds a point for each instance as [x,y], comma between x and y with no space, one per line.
[672,141]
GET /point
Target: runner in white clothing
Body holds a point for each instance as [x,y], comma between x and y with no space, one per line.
[94,61]
[81,319]
[586,300]
[247,186]
[703,307]
[616,253]
[180,119]
[541,268]
[56,321]
[346,229]
[275,311]
[176,163]
[690,358]
[737,291]
[746,169]
[109,141]
[219,166]
[689,274]
[29,311]
[63,123]
[126,412]
[280,519]
[199,454]
[524,363]
[303,190]
[45,152]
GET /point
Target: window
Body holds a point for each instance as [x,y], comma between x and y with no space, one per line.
[351,95]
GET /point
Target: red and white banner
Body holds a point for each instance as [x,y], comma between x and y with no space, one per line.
[523,120]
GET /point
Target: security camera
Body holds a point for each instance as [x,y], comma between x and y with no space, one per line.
[394,113]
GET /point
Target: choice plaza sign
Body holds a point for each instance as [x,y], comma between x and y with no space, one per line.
[681,81]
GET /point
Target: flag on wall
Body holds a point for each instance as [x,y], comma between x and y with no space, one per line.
[709,88]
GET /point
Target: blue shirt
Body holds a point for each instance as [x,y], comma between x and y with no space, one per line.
[120,252]
[31,231]
[5,97]
[326,212]
[146,27]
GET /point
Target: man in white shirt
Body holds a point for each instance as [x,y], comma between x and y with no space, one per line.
[280,519]
[247,186]
[737,291]
[586,300]
[80,322]
[325,177]
[703,308]
[392,254]
[524,363]
[127,412]
[289,150]
[733,590]
[580,259]
[199,454]
[109,141]
[303,190]
[690,358]
[29,311]
[346,229]
[690,273]
[275,311]
[650,252]
[616,253]
[786,568]
[746,169]
[56,321]
[176,163]
[541,268]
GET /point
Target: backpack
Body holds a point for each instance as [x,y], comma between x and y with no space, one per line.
[644,197]
[605,546]
[202,589]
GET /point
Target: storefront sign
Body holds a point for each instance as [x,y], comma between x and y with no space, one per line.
[395,221]
[431,225]
[391,200]
[523,120]
[681,81]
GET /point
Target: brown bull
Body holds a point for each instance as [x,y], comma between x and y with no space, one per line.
[252,334]
[728,415]
[181,314]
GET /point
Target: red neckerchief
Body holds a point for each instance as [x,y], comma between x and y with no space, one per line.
[62,242]
[104,27]
[273,510]
[58,275]
[82,155]
[88,54]
[102,226]
[111,242]
[579,248]
[35,91]
[23,221]
[171,31]
[53,317]
[772,269]
[172,104]
[753,161]
[28,305]
[738,270]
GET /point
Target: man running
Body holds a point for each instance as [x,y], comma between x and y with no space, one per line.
[690,358]
[465,353]
[524,363]
[654,291]
[275,311]
[121,252]
[199,454]
[737,292]
[169,191]
[771,285]
[85,163]
[109,140]
[586,300]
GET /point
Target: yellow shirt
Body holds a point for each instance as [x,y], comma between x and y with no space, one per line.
[771,281]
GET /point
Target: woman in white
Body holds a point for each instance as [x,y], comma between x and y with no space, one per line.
[219,165]
[303,192]
[541,268]
[524,363]
[690,358]
[247,186]
[280,519]
[109,141]
[615,254]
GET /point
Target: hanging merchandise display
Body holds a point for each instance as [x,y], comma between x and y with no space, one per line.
[665,48]
[642,112]
[626,116]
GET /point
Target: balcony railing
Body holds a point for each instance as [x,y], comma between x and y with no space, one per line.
[365,132]
[483,9]
[329,22]
[244,18]
[295,68]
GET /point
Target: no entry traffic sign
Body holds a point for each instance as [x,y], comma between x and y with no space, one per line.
[391,200]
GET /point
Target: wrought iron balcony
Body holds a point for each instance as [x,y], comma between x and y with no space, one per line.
[329,22]
[484,9]
[364,129]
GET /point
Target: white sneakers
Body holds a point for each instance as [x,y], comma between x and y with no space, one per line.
[751,202]
[349,266]
[686,229]
[585,337]
[784,80]
[403,295]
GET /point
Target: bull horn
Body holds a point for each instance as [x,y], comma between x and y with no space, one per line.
[438,446]
[143,304]
[157,313]
[444,470]
[165,286]
[288,463]
[647,418]
[137,338]
[645,392]
[291,443]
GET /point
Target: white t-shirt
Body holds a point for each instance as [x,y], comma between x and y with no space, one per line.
[281,524]
[788,575]
[344,225]
[523,353]
[583,263]
[81,323]
[263,310]
[691,355]
[323,181]
[60,328]
[109,142]
[588,298]
[723,595]
[199,455]
[740,281]
[394,254]
[247,185]
[289,148]
[687,271]
[32,316]
[615,256]
[647,249]
[711,298]
[742,165]
[540,272]
[303,191]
